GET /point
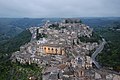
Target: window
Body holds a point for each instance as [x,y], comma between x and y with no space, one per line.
[56,50]
[81,73]
[48,48]
[52,49]
[60,51]
[45,48]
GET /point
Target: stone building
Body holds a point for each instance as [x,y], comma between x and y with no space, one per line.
[53,49]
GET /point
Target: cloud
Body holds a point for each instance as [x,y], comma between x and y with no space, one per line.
[59,8]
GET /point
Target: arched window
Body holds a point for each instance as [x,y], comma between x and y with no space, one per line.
[45,48]
[48,48]
[52,49]
[56,51]
[81,73]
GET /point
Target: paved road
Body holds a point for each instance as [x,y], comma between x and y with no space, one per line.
[98,50]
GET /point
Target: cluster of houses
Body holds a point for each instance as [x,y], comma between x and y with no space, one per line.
[60,52]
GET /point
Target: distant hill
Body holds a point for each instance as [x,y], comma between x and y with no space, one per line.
[7,23]
[11,27]
[27,22]
[100,21]
[14,44]
[17,25]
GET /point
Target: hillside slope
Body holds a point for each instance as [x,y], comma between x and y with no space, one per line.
[14,44]
[110,56]
[16,71]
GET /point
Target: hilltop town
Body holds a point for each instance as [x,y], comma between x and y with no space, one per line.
[59,49]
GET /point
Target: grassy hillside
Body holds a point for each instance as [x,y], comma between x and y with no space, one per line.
[16,71]
[110,56]
[14,43]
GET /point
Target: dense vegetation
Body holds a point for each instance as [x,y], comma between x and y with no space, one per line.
[110,56]
[94,38]
[16,71]
[14,44]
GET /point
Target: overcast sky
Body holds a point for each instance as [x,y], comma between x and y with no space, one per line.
[59,8]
